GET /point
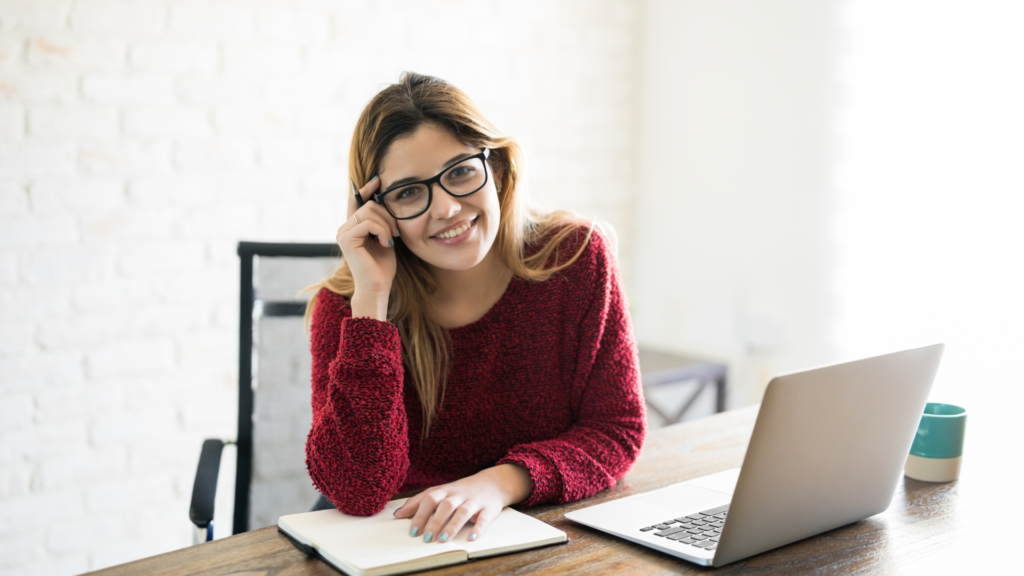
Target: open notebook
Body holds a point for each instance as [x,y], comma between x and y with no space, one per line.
[379,545]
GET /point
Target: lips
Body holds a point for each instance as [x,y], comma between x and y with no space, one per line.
[455,230]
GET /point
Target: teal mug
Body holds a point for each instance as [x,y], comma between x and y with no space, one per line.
[938,446]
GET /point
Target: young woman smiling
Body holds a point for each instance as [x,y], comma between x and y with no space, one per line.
[466,344]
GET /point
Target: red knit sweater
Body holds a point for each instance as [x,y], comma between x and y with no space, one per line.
[547,379]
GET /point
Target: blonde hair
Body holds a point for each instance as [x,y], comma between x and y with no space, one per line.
[527,241]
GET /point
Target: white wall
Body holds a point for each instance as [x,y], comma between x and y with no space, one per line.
[140,140]
[732,251]
[932,188]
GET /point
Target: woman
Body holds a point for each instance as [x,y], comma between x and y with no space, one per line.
[465,345]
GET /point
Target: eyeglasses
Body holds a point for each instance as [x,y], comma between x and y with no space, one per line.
[463,178]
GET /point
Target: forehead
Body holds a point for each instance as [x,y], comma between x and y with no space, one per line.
[420,154]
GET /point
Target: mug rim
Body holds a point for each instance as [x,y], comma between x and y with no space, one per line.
[960,411]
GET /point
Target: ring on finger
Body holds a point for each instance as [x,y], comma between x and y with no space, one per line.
[356,217]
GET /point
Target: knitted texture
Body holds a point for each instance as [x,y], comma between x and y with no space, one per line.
[547,379]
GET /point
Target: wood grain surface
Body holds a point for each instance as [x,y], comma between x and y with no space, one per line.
[925,521]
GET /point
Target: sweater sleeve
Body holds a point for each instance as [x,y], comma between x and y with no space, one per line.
[357,448]
[609,431]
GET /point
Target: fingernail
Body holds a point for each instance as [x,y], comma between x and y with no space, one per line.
[398,232]
[472,536]
[428,536]
[397,511]
[443,537]
[374,178]
[414,531]
[391,242]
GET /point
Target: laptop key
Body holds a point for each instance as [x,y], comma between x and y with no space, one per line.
[668,532]
[711,547]
[695,516]
[662,526]
[688,540]
[694,530]
[647,528]
[711,534]
[679,536]
[713,538]
[699,537]
[706,544]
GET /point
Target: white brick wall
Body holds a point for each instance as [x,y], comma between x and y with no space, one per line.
[141,139]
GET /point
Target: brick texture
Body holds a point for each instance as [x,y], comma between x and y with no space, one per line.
[140,140]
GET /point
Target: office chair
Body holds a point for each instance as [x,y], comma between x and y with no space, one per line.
[274,413]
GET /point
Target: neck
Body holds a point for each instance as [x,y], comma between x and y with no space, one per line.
[478,284]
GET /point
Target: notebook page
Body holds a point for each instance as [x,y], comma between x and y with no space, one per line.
[510,531]
[365,542]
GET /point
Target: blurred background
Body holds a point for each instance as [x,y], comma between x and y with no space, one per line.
[792,183]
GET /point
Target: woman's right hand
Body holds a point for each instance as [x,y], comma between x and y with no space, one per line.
[372,262]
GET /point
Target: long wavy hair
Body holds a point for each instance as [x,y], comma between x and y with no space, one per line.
[527,241]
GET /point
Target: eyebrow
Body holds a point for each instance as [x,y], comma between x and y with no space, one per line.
[454,160]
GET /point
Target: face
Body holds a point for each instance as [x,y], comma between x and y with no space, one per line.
[454,233]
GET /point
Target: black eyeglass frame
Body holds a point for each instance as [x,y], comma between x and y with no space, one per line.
[429,183]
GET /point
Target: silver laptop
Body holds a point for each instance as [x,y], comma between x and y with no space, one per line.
[828,449]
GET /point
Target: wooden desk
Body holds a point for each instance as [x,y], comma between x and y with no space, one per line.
[923,524]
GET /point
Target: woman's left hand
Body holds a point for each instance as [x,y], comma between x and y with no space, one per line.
[439,513]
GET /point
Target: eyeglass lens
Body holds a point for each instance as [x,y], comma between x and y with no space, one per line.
[462,179]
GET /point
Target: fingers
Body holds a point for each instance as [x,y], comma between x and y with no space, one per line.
[438,516]
[442,515]
[458,519]
[372,211]
[482,521]
[424,509]
[370,219]
[409,508]
[355,235]
[364,193]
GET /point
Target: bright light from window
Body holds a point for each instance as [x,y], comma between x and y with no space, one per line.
[931,181]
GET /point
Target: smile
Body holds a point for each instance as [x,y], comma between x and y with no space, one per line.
[456,231]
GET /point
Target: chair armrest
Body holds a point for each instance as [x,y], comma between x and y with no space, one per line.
[205,488]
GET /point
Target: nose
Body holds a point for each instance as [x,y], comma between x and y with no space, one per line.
[443,205]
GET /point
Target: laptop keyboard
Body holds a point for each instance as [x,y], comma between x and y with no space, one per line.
[700,530]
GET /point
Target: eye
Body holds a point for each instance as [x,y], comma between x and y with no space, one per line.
[408,193]
[461,171]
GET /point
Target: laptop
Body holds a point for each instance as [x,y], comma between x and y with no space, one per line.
[828,449]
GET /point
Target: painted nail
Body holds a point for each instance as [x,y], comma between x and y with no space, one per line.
[443,537]
[428,536]
[397,511]
[398,232]
[414,531]
[472,536]
[374,178]
[391,242]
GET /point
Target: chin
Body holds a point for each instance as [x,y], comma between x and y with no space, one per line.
[457,263]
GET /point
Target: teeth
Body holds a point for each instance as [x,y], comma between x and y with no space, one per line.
[455,231]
